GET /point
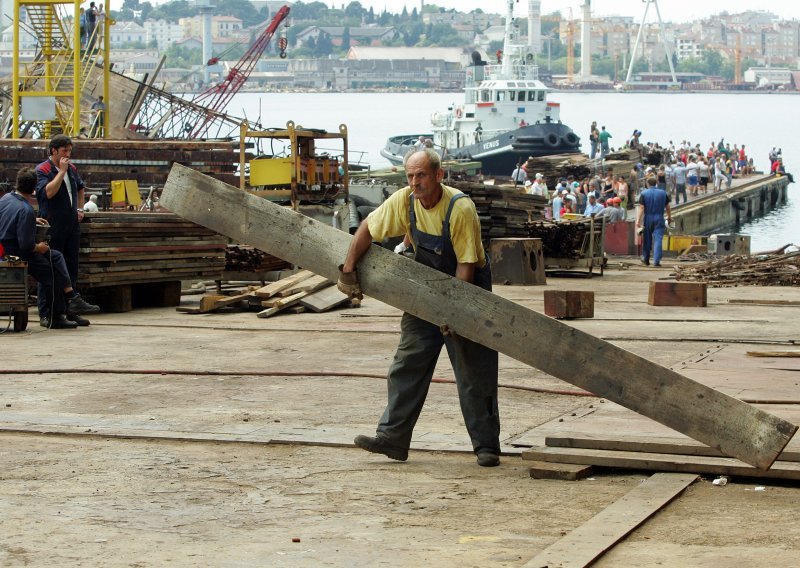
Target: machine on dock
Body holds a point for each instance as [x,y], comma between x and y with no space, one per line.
[14,292]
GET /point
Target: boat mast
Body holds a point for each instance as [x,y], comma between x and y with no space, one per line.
[507,42]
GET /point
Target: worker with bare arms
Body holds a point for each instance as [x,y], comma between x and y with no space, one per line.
[445,231]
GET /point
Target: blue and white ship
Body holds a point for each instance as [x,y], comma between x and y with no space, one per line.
[505,116]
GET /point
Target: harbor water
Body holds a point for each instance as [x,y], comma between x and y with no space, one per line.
[760,121]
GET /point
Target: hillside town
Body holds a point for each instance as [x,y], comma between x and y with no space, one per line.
[354,48]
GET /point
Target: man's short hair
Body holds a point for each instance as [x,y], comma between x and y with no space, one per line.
[651,182]
[434,160]
[26,181]
[59,141]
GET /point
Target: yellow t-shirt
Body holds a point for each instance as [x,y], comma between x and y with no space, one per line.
[391,219]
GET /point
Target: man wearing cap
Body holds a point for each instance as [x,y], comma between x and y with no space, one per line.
[539,186]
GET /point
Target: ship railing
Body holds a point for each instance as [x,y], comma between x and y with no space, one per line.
[519,72]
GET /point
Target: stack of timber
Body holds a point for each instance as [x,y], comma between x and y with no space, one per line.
[782,269]
[133,248]
[296,293]
[241,258]
[148,162]
[564,239]
[503,212]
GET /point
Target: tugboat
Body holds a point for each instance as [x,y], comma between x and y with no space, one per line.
[505,116]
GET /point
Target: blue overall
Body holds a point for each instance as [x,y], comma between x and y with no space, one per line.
[655,203]
[474,366]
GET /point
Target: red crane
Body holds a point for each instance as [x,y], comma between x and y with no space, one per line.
[217,97]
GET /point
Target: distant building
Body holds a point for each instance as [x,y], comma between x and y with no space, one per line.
[126,33]
[688,47]
[221,26]
[768,76]
[162,32]
[455,55]
[373,36]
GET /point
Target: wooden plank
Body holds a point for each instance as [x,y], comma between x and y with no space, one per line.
[649,444]
[282,304]
[695,410]
[561,471]
[324,300]
[312,284]
[591,540]
[773,353]
[664,462]
[283,283]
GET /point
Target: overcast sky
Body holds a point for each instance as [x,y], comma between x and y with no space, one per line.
[671,10]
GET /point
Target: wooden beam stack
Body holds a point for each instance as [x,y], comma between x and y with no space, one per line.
[134,248]
[148,162]
[503,212]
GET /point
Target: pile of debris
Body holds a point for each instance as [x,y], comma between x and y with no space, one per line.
[296,293]
[776,268]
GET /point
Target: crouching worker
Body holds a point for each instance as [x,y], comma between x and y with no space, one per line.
[18,237]
[446,234]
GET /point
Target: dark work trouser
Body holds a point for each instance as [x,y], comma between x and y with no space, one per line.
[51,279]
[410,374]
[67,244]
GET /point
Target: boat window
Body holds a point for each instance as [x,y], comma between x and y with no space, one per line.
[485,96]
[521,96]
[541,95]
[512,95]
[501,96]
[531,95]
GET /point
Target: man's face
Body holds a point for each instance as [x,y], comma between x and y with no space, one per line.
[423,179]
[63,152]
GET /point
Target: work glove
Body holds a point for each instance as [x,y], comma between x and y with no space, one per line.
[348,284]
[639,230]
[401,248]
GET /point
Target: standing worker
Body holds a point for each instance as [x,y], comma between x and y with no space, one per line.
[650,220]
[60,192]
[18,237]
[446,233]
[519,175]
[98,118]
[603,137]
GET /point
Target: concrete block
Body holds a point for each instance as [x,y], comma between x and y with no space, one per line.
[684,294]
[568,304]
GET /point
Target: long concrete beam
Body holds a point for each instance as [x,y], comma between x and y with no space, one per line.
[720,421]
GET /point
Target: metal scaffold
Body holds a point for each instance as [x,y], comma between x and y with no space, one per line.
[48,93]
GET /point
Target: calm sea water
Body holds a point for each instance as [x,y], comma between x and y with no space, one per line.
[759,121]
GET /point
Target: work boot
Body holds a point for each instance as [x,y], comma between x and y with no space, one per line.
[488,458]
[378,445]
[57,322]
[81,321]
[78,305]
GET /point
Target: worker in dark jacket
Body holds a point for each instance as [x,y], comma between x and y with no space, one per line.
[60,192]
[18,238]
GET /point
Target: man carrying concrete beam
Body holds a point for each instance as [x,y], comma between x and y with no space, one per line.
[446,234]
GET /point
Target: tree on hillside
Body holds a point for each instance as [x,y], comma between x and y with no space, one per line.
[346,39]
[173,11]
[355,10]
[444,36]
[310,11]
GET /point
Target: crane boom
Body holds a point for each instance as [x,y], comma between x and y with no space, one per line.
[217,97]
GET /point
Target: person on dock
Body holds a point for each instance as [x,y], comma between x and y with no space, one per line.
[446,232]
[704,171]
[779,169]
[593,207]
[594,140]
[539,186]
[653,203]
[98,117]
[692,176]
[60,193]
[18,236]
[519,175]
[91,205]
[558,203]
[678,175]
[604,137]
